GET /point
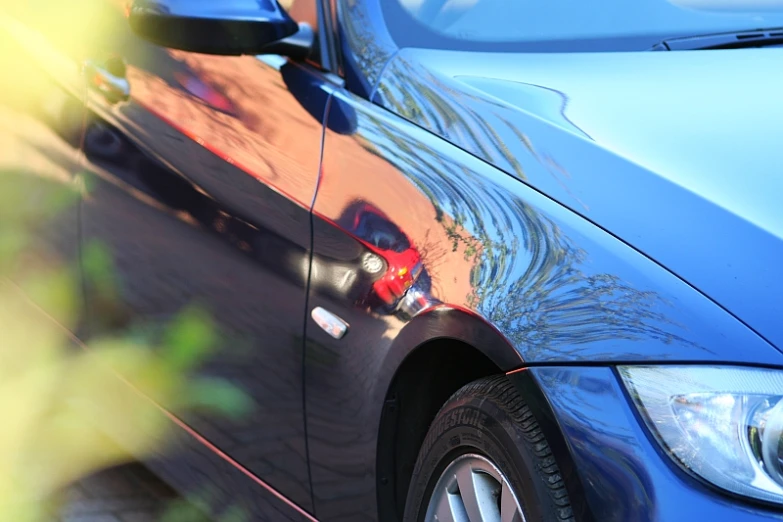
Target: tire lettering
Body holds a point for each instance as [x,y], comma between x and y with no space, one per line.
[463,417]
[452,420]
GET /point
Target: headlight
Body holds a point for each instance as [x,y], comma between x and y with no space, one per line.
[723,424]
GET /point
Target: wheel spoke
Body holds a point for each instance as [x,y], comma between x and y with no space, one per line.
[447,511]
[509,511]
[478,492]
[468,493]
[472,489]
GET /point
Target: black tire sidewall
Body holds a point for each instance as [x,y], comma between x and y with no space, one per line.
[479,426]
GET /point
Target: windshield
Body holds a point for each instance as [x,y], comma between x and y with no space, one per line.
[569,25]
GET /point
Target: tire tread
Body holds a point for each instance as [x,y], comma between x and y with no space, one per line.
[501,392]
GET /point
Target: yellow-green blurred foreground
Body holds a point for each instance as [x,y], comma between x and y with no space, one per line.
[58,397]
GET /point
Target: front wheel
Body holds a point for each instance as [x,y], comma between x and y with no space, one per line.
[486,459]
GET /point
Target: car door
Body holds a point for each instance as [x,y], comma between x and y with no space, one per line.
[203,171]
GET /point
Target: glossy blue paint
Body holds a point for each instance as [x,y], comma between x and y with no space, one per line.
[622,471]
[552,287]
[235,27]
[557,287]
[572,26]
[365,43]
[559,211]
[675,171]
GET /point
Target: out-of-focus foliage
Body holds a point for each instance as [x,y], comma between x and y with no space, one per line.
[59,398]
[191,509]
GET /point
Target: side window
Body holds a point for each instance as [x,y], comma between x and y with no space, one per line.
[306,11]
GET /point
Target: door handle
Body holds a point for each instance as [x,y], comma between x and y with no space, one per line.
[108,79]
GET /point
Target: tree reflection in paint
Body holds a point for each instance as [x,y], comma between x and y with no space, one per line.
[529,277]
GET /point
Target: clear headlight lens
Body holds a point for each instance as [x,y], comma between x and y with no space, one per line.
[723,424]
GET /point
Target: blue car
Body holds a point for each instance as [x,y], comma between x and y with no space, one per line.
[470,260]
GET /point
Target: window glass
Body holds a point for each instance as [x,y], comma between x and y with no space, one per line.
[569,24]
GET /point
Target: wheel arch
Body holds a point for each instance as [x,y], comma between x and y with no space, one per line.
[437,353]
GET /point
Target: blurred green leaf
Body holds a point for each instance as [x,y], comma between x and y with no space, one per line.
[194,508]
[189,339]
[98,267]
[182,510]
[55,291]
[235,513]
[219,396]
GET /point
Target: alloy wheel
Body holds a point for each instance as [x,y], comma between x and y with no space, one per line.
[473,489]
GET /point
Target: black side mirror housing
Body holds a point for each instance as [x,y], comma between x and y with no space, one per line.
[223,27]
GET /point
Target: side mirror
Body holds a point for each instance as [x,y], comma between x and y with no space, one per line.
[224,27]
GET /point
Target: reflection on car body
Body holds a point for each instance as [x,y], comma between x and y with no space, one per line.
[433,256]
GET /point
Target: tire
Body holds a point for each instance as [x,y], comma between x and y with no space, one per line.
[487,429]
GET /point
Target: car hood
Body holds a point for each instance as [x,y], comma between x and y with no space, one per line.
[678,154]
